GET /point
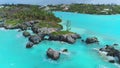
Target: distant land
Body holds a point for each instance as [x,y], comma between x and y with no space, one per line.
[46,2]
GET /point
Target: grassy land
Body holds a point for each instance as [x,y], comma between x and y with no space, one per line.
[16,14]
[1,19]
[62,33]
[12,22]
[48,24]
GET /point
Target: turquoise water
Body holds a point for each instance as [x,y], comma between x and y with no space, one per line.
[13,53]
[104,26]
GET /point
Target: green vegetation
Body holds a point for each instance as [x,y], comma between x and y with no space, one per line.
[62,33]
[15,14]
[88,8]
[12,22]
[1,19]
[21,14]
[48,24]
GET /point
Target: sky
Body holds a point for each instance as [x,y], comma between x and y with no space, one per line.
[46,2]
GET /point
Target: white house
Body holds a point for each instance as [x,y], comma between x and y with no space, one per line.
[1,6]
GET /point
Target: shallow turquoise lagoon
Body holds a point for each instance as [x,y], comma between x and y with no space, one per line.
[104,26]
[13,53]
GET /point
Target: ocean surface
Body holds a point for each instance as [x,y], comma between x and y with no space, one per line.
[13,53]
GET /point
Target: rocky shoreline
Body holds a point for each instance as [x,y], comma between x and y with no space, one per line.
[55,34]
[69,38]
[40,33]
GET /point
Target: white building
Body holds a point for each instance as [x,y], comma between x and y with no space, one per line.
[1,6]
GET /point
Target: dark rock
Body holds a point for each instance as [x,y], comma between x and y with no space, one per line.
[115,44]
[75,36]
[69,38]
[112,61]
[26,34]
[53,54]
[65,50]
[54,37]
[35,29]
[35,39]
[101,49]
[91,40]
[29,45]
[41,35]
[111,51]
[83,40]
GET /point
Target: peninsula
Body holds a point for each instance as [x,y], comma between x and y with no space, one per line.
[31,17]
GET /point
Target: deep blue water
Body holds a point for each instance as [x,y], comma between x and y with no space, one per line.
[13,53]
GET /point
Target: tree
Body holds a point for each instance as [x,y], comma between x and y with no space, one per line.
[68,25]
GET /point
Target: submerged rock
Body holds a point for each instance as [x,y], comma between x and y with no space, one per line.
[91,40]
[82,40]
[53,54]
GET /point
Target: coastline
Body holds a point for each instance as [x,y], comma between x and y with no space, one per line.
[88,14]
[41,25]
[75,49]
